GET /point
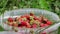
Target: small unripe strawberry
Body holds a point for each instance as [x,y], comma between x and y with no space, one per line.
[31,22]
[24,19]
[31,18]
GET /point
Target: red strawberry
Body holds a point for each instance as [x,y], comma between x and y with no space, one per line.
[27,16]
[19,25]
[16,19]
[49,23]
[34,26]
[22,16]
[28,25]
[35,18]
[40,20]
[23,23]
[10,19]
[45,24]
[27,21]
[44,33]
[15,25]
[20,19]
[31,14]
[42,25]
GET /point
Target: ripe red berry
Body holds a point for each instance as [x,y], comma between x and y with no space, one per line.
[10,19]
[41,25]
[23,23]
[28,25]
[22,16]
[15,25]
[34,26]
[27,16]
[44,33]
[28,21]
[19,25]
[45,24]
[20,21]
[49,23]
[31,14]
[35,18]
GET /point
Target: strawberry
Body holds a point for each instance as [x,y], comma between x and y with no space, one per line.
[49,23]
[45,24]
[15,19]
[22,16]
[31,14]
[41,18]
[23,23]
[36,22]
[15,24]
[27,16]
[19,25]
[10,19]
[28,21]
[35,18]
[41,25]
[20,19]
[34,26]
[44,33]
[28,25]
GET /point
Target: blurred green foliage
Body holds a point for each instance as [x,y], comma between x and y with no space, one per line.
[51,5]
[1,29]
[58,30]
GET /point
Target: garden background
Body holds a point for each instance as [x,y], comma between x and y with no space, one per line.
[51,5]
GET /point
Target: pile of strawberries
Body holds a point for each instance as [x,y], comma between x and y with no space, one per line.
[28,21]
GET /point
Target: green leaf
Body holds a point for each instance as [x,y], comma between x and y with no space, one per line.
[58,30]
[44,4]
[1,29]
